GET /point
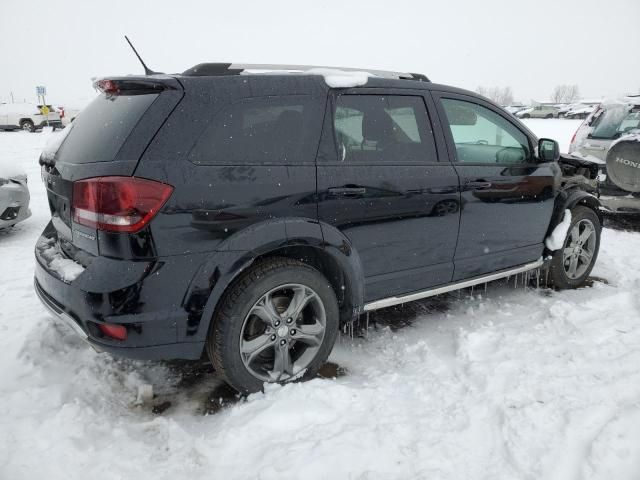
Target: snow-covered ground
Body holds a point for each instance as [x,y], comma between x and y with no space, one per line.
[503,384]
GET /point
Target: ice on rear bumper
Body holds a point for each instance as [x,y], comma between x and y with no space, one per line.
[65,268]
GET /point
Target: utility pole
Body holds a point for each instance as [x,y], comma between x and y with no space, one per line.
[11,97]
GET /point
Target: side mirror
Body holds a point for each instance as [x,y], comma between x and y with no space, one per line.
[548,150]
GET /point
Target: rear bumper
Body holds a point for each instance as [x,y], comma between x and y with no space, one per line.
[143,296]
[620,204]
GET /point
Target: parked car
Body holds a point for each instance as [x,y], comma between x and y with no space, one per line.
[579,111]
[538,111]
[27,116]
[249,216]
[610,138]
[14,196]
[513,109]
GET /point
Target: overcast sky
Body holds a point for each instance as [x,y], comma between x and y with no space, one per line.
[529,45]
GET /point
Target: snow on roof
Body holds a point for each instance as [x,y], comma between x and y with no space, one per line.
[341,78]
[333,77]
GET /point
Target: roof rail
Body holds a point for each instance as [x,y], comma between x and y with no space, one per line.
[217,69]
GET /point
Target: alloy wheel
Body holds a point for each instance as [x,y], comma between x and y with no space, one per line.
[580,248]
[282,333]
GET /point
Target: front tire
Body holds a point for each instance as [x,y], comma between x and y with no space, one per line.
[276,324]
[572,264]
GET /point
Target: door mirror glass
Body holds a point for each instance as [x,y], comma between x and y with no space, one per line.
[548,150]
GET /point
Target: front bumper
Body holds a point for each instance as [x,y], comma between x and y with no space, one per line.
[14,202]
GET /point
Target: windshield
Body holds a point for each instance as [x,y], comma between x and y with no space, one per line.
[614,121]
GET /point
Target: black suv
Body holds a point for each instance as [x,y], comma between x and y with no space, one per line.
[250,213]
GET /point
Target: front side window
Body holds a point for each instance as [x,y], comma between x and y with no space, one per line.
[383,129]
[482,136]
[271,129]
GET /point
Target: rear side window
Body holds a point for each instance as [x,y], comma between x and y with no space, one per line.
[101,129]
[258,130]
[614,121]
[383,129]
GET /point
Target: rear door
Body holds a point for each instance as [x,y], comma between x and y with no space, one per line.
[380,182]
[507,195]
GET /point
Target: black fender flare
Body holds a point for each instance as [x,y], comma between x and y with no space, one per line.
[271,237]
[566,200]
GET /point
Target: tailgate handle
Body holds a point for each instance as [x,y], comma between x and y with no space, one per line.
[347,191]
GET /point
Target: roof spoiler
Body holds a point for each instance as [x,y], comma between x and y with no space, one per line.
[134,85]
[222,69]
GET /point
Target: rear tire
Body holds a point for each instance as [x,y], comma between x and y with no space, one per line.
[28,126]
[276,324]
[526,115]
[572,264]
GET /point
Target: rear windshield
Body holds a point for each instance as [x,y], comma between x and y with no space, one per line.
[101,129]
[615,121]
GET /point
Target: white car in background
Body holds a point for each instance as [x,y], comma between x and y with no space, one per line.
[27,116]
[14,195]
[579,111]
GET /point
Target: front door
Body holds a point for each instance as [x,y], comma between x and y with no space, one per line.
[381,184]
[507,194]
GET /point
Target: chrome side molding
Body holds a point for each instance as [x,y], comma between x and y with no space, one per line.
[391,301]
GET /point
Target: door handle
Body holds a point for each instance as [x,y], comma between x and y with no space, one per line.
[479,185]
[347,191]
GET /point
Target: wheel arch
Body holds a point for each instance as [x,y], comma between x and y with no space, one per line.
[566,200]
[300,239]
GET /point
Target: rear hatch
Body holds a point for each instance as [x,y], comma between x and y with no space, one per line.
[107,139]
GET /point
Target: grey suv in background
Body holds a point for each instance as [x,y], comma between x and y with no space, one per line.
[610,137]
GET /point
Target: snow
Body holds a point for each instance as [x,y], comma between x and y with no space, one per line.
[503,384]
[65,268]
[336,78]
[555,241]
[53,143]
[560,129]
[633,136]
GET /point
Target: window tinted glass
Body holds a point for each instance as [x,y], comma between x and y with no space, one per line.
[274,129]
[102,128]
[482,136]
[383,129]
[614,120]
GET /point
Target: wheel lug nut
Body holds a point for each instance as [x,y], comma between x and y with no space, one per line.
[273,337]
[289,320]
[293,332]
[283,342]
[277,323]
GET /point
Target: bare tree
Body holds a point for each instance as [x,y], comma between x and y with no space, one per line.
[500,95]
[565,94]
[573,94]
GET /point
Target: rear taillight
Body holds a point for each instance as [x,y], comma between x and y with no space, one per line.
[117,332]
[107,86]
[118,204]
[573,139]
